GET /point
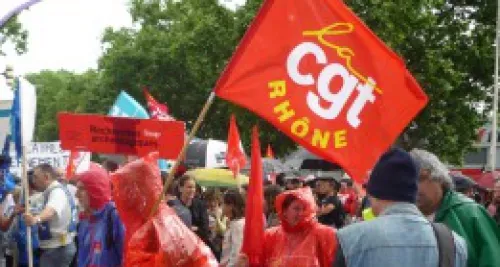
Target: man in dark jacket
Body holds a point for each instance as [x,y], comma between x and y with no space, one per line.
[172,201]
[331,211]
[198,208]
[440,203]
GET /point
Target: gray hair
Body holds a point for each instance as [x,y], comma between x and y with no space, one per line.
[430,162]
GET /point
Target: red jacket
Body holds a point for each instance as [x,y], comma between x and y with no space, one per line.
[306,244]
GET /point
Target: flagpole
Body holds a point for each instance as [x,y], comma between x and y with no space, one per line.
[495,99]
[194,130]
[238,180]
[27,205]
[24,170]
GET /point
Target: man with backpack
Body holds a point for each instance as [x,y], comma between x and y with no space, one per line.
[57,221]
[400,235]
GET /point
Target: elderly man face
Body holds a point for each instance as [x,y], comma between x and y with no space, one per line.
[430,193]
[434,181]
[496,193]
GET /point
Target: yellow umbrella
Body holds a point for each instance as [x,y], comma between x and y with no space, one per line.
[217,177]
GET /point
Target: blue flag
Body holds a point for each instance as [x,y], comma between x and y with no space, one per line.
[15,122]
[127,106]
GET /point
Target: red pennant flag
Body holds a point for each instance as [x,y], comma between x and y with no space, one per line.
[325,80]
[156,110]
[254,223]
[269,152]
[235,157]
[71,168]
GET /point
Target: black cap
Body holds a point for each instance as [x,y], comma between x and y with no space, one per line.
[463,182]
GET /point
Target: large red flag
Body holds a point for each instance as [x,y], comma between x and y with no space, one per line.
[317,73]
[254,214]
[235,157]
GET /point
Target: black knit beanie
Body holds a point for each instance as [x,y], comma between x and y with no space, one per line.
[394,177]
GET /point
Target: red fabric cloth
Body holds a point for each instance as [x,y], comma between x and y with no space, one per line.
[350,201]
[160,240]
[70,169]
[235,157]
[156,109]
[325,80]
[269,152]
[307,244]
[97,184]
[254,212]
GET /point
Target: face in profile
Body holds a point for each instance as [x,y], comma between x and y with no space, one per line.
[429,195]
[496,193]
[82,196]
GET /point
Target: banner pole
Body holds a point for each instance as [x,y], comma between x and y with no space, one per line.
[494,116]
[238,180]
[27,208]
[194,130]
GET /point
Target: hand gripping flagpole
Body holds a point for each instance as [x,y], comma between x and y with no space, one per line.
[194,130]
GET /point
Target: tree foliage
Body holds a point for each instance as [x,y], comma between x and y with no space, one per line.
[59,91]
[179,52]
[447,45]
[179,48]
[14,32]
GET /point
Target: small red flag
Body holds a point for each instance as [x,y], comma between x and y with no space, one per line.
[71,168]
[235,157]
[269,152]
[254,223]
[156,110]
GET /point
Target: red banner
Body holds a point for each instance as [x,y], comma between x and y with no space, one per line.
[317,73]
[114,135]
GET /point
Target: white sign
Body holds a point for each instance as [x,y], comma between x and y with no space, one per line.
[51,153]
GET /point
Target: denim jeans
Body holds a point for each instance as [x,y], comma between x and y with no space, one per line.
[58,257]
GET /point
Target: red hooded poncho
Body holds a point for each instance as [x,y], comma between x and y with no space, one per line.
[162,240]
[97,184]
[306,244]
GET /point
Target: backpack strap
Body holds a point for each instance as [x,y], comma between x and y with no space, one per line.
[446,245]
[110,232]
[46,194]
[71,202]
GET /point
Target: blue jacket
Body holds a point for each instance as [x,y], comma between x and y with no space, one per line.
[400,236]
[101,238]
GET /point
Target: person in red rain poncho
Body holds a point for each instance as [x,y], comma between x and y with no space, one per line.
[299,241]
[163,239]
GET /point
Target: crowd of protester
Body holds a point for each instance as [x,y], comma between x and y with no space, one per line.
[424,214]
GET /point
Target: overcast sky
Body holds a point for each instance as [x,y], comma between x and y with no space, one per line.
[65,34]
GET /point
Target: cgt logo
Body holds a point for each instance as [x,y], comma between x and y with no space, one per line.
[351,79]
